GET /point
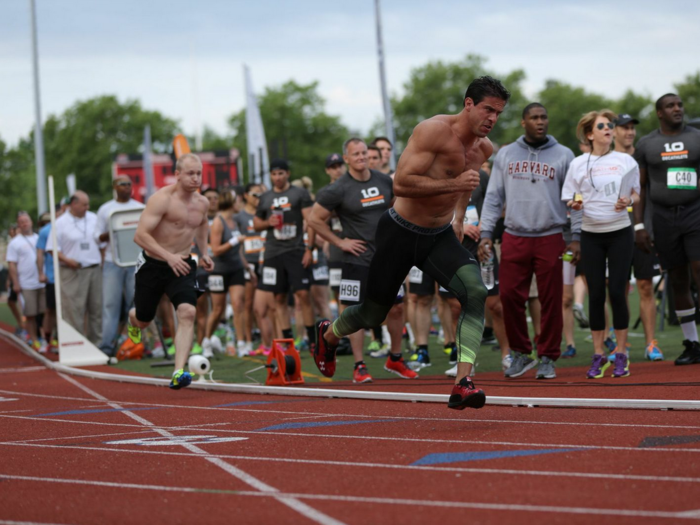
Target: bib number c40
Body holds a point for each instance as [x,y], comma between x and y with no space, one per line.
[682,179]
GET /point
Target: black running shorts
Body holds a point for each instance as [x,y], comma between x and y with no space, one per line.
[155,278]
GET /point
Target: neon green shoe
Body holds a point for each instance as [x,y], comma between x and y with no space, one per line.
[180,379]
[134,334]
[196,349]
[171,351]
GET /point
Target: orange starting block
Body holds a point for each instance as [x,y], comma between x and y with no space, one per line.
[283,364]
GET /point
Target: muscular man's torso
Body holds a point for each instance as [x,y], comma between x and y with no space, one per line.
[178,225]
[452,158]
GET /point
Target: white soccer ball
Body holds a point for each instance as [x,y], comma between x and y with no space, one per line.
[199,364]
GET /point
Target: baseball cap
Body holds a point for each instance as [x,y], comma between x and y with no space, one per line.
[279,164]
[625,118]
[333,159]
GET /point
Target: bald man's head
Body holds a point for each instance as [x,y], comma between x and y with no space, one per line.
[79,204]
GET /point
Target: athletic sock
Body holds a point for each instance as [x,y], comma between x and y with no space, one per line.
[687,320]
[450,346]
[395,357]
[422,347]
[488,332]
[377,331]
[358,364]
[287,333]
[311,333]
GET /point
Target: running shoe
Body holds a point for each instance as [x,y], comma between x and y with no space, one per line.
[399,368]
[324,353]
[580,316]
[382,352]
[569,352]
[465,394]
[134,334]
[373,347]
[180,379]
[40,345]
[506,362]
[452,372]
[216,344]
[622,366]
[521,364]
[690,355]
[422,360]
[546,370]
[301,344]
[614,352]
[598,367]
[170,351]
[361,375]
[206,351]
[652,352]
[453,355]
[53,347]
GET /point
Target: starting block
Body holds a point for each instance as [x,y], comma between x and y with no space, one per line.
[283,364]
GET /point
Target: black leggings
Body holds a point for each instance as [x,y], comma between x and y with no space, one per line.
[617,248]
[437,253]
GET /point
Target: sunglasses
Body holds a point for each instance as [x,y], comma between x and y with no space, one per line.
[256,195]
[123,183]
[600,125]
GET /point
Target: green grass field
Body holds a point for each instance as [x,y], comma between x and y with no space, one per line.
[235,370]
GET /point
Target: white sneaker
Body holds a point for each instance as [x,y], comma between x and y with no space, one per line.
[506,362]
[242,349]
[452,372]
[216,344]
[158,352]
[207,348]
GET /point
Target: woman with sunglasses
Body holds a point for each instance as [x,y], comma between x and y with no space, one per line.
[604,183]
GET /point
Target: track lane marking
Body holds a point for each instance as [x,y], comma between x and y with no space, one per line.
[691,515]
[390,466]
[291,502]
[404,418]
[382,438]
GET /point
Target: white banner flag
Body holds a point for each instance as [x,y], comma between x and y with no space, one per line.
[258,160]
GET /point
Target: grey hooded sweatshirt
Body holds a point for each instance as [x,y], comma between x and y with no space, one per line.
[530,180]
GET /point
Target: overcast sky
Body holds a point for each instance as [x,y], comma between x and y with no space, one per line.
[185,58]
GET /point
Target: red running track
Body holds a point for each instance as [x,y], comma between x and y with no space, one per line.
[79,451]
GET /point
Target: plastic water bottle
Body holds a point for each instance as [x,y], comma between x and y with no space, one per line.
[230,340]
[487,272]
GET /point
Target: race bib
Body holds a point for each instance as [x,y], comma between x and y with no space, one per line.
[335,224]
[472,216]
[253,244]
[320,273]
[349,290]
[269,275]
[415,276]
[287,232]
[611,189]
[84,246]
[336,276]
[682,179]
[139,262]
[216,283]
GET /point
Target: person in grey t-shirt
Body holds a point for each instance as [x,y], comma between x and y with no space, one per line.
[287,264]
[669,161]
[359,198]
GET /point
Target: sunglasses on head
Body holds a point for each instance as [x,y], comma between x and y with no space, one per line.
[601,125]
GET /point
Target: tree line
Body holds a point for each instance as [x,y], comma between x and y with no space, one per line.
[85,138]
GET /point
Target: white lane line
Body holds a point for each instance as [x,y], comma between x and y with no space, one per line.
[291,502]
[382,501]
[259,408]
[394,438]
[12,522]
[23,369]
[390,466]
[47,396]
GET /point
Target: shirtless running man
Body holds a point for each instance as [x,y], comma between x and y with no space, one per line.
[434,180]
[174,216]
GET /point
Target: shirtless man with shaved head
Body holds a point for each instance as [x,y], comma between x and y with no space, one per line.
[174,216]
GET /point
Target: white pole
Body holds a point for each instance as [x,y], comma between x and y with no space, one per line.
[54,243]
[38,133]
[388,118]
